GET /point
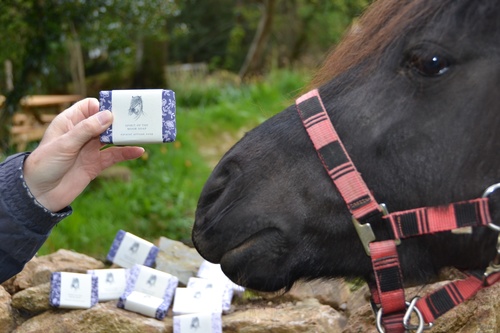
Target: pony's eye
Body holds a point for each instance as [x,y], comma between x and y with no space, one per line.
[429,65]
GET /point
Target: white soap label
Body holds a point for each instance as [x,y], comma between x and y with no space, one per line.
[192,300]
[195,323]
[152,282]
[133,250]
[137,116]
[220,287]
[112,283]
[76,290]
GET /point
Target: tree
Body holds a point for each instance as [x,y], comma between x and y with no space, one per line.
[200,32]
[51,41]
[30,28]
[253,60]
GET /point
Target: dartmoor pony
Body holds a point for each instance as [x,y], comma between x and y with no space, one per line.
[413,93]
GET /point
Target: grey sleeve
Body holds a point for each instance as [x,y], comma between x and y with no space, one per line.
[24,223]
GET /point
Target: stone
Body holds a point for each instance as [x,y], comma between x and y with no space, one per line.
[33,300]
[39,269]
[361,320]
[480,314]
[358,298]
[7,321]
[334,292]
[177,259]
[305,316]
[332,306]
[102,318]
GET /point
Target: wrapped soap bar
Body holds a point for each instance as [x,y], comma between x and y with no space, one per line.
[139,116]
[223,289]
[194,300]
[148,291]
[73,290]
[128,250]
[214,272]
[111,282]
[198,322]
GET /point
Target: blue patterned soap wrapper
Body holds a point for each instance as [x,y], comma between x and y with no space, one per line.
[139,116]
[73,290]
[111,282]
[128,250]
[198,322]
[148,292]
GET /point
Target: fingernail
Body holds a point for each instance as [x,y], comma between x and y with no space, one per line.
[104,117]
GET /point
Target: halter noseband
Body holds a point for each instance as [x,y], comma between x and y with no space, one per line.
[392,311]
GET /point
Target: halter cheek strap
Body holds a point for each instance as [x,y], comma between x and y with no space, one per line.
[393,312]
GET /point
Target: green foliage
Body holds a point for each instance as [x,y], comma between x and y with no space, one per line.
[200,31]
[160,199]
[35,34]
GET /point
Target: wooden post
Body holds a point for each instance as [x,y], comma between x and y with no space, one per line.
[9,76]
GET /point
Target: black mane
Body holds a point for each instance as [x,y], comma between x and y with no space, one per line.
[387,23]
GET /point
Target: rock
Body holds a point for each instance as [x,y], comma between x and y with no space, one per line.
[33,300]
[9,286]
[358,298]
[307,308]
[334,292]
[102,318]
[7,322]
[361,320]
[177,259]
[306,316]
[480,314]
[39,269]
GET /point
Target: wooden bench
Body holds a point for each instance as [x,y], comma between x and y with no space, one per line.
[36,113]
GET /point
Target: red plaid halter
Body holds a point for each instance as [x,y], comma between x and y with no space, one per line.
[392,311]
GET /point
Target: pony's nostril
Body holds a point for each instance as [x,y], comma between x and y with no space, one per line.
[216,186]
[211,196]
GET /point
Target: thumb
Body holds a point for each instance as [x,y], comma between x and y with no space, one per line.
[91,127]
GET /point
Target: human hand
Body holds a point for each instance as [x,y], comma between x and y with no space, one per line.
[70,156]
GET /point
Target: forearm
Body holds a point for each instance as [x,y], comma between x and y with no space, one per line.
[24,223]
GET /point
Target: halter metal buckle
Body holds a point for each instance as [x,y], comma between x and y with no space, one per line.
[365,234]
[489,191]
[494,266]
[411,308]
[365,231]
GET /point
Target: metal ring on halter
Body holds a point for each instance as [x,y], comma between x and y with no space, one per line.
[489,191]
[378,322]
[411,308]
[406,319]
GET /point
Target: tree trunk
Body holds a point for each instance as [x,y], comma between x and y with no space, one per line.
[149,72]
[9,76]
[253,60]
[77,67]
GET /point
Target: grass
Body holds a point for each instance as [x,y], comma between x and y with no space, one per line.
[160,198]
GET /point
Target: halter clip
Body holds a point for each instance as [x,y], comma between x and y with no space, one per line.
[365,231]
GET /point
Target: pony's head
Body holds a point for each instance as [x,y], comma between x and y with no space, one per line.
[414,93]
